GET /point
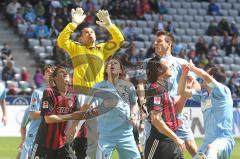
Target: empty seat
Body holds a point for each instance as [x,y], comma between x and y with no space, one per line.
[186,39]
[175,4]
[155,17]
[180,31]
[192,12]
[151,37]
[226,6]
[235,67]
[177,38]
[49,62]
[204,5]
[46,42]
[228,60]
[229,73]
[183,25]
[218,60]
[191,32]
[202,12]
[194,25]
[33,42]
[167,17]
[208,18]
[147,30]
[208,39]
[218,18]
[138,30]
[49,49]
[181,11]
[224,12]
[195,39]
[198,18]
[151,24]
[200,32]
[141,23]
[236,6]
[204,25]
[148,16]
[237,60]
[172,11]
[147,44]
[196,5]
[186,5]
[188,18]
[232,12]
[38,49]
[178,18]
[139,44]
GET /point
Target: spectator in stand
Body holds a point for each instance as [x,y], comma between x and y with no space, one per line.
[29,33]
[88,5]
[212,29]
[30,15]
[39,9]
[129,32]
[235,45]
[116,10]
[141,55]
[146,7]
[232,84]
[12,9]
[233,28]
[126,10]
[41,30]
[138,9]
[170,27]
[104,5]
[201,47]
[25,74]
[226,43]
[159,25]
[192,56]
[223,26]
[6,52]
[12,89]
[162,8]
[38,78]
[18,18]
[130,58]
[213,8]
[213,53]
[8,72]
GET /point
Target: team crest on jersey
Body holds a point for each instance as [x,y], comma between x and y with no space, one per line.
[157,100]
[45,104]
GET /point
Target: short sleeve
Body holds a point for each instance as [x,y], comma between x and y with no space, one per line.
[218,89]
[132,96]
[2,92]
[154,103]
[35,102]
[47,103]
[25,119]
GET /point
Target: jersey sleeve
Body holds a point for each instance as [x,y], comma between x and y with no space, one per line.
[113,45]
[65,42]
[196,96]
[25,119]
[35,102]
[3,94]
[47,107]
[132,96]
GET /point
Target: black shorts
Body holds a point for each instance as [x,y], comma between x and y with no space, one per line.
[165,149]
[79,145]
[136,135]
[40,152]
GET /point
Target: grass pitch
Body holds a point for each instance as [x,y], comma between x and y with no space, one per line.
[9,145]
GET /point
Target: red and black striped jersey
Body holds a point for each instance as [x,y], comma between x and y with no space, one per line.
[161,101]
[52,136]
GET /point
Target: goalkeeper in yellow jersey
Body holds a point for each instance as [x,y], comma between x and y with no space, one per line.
[88,60]
[87,56]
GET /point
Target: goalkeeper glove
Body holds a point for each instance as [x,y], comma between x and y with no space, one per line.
[104,19]
[78,16]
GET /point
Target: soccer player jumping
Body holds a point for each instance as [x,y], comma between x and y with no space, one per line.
[217,108]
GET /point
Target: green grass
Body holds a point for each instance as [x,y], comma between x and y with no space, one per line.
[9,145]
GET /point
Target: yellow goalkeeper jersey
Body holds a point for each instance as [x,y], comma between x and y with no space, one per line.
[88,62]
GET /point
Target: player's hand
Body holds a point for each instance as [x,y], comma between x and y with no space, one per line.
[4,120]
[79,115]
[180,143]
[77,16]
[103,18]
[84,107]
[191,65]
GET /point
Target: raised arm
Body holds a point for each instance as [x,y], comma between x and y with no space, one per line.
[64,40]
[117,38]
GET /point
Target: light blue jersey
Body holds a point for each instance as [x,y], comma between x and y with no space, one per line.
[115,124]
[2,91]
[35,105]
[217,108]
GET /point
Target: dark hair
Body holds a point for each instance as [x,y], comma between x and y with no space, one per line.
[160,33]
[218,74]
[54,74]
[155,69]
[49,66]
[121,75]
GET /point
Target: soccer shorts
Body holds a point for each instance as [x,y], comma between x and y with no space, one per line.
[223,148]
[27,147]
[165,149]
[184,131]
[147,129]
[126,147]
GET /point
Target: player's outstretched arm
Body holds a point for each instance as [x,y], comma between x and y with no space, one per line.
[201,73]
[64,41]
[117,38]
